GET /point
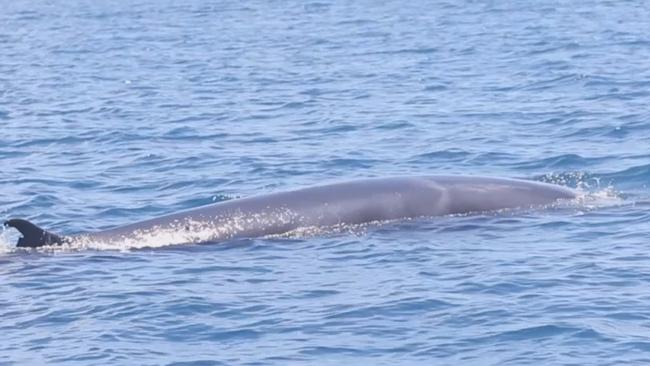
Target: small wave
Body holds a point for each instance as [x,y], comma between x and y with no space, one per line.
[539,332]
[560,161]
[633,176]
[401,307]
[442,155]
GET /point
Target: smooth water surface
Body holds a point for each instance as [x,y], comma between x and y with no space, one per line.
[117,111]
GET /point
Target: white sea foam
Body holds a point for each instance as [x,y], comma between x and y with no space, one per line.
[186,232]
[592,192]
[7,238]
[591,200]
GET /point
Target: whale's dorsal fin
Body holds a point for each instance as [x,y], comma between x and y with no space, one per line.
[33,236]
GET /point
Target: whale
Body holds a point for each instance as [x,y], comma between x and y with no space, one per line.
[353,202]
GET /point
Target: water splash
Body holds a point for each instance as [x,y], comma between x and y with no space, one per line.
[579,179]
[7,238]
[593,192]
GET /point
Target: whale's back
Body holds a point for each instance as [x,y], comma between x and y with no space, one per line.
[354,202]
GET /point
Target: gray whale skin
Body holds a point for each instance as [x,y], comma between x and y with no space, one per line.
[346,203]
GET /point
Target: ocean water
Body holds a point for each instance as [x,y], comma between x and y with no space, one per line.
[117,111]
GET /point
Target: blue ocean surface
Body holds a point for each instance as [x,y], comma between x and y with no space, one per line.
[117,111]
